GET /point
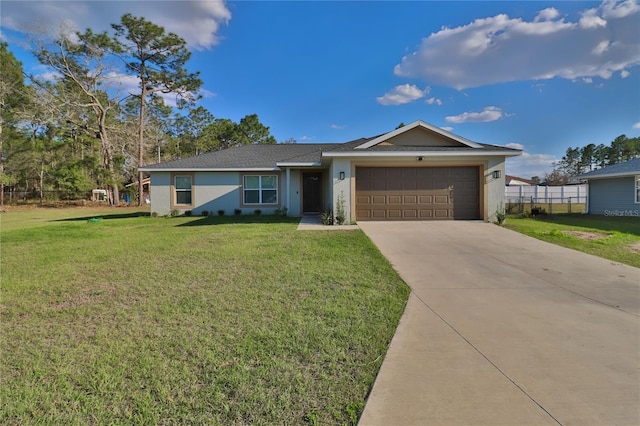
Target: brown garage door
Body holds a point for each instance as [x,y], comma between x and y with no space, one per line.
[417,193]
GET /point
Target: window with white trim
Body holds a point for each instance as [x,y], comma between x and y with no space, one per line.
[183,189]
[260,189]
[638,189]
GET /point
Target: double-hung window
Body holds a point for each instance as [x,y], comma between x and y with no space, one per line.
[638,189]
[260,189]
[183,189]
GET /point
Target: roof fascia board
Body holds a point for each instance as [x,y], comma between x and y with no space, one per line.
[298,164]
[418,123]
[420,153]
[209,169]
[610,175]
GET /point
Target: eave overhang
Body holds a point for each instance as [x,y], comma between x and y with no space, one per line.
[216,169]
[426,154]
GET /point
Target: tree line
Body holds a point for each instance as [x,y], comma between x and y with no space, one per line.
[579,160]
[78,128]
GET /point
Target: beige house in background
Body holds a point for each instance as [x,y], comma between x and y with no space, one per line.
[416,172]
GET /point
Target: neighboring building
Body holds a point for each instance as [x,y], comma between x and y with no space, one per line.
[517,181]
[416,172]
[615,190]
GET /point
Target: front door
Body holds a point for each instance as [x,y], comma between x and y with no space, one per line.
[311,192]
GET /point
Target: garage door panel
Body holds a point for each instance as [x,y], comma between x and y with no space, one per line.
[409,214]
[379,199]
[417,193]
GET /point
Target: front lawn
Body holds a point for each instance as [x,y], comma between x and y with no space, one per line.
[614,238]
[232,320]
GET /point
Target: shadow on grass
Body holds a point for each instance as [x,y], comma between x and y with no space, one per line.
[237,219]
[105,217]
[628,225]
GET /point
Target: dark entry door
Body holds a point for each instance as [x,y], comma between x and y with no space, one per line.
[311,192]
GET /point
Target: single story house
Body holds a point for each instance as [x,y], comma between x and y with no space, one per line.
[517,181]
[615,190]
[416,172]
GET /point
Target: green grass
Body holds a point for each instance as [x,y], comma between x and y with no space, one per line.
[620,239]
[217,320]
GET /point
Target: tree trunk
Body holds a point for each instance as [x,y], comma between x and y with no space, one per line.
[141,142]
[1,170]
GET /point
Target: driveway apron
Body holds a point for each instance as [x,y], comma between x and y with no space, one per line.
[504,329]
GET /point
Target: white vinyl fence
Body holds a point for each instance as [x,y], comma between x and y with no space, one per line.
[546,199]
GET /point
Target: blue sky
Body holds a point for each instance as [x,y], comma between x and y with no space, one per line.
[536,75]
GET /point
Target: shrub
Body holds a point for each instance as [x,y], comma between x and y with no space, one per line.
[257,212]
[282,212]
[205,212]
[175,213]
[154,214]
[188,213]
[237,212]
[340,213]
[501,214]
[221,212]
[327,217]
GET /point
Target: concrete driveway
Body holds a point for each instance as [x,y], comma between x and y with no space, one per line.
[503,329]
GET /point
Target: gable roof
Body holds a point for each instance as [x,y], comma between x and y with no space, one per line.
[418,124]
[627,168]
[271,157]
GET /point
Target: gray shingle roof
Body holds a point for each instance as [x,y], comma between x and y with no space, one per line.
[268,156]
[628,168]
[248,156]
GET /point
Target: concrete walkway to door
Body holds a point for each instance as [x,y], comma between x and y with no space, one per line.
[504,329]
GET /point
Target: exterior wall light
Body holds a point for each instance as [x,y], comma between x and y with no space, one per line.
[341,175]
[419,158]
[496,174]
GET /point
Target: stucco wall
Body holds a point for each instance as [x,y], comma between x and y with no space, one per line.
[213,191]
[161,193]
[615,197]
[491,191]
[494,188]
[296,182]
[216,191]
[340,190]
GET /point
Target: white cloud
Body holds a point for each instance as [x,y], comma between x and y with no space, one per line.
[529,164]
[547,14]
[587,80]
[590,19]
[402,94]
[500,49]
[447,128]
[515,145]
[637,125]
[338,126]
[197,21]
[602,47]
[490,113]
[305,138]
[433,101]
[624,73]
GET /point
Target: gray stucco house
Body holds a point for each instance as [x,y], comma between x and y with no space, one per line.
[615,190]
[416,172]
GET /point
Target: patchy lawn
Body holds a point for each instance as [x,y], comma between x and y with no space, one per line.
[614,238]
[232,320]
